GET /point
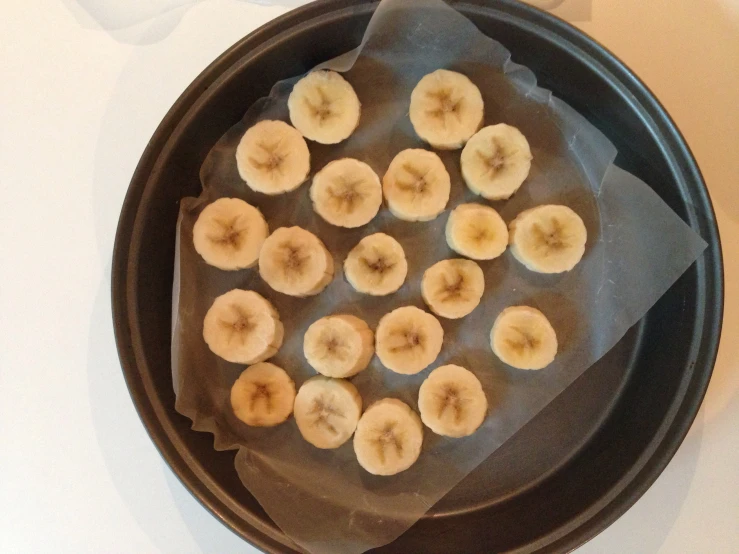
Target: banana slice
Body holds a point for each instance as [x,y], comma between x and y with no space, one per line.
[229,233]
[273,158]
[376,265]
[294,261]
[339,345]
[476,231]
[522,337]
[452,402]
[263,395]
[243,327]
[388,438]
[446,109]
[416,185]
[324,107]
[346,193]
[408,340]
[548,239]
[327,411]
[453,288]
[496,161]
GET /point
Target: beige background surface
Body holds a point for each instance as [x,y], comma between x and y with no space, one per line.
[85,82]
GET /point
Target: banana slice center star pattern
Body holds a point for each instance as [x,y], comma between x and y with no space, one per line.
[239,326]
[553,238]
[232,235]
[345,195]
[448,106]
[496,160]
[417,184]
[320,110]
[450,398]
[322,411]
[262,393]
[524,343]
[293,261]
[388,437]
[272,159]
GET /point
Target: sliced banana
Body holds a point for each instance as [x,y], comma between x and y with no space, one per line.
[416,185]
[408,340]
[263,395]
[548,239]
[327,411]
[339,345]
[452,402]
[294,261]
[446,109]
[453,288]
[346,193]
[324,107]
[243,327]
[496,161]
[388,438]
[273,158]
[522,337]
[476,231]
[376,265]
[229,233]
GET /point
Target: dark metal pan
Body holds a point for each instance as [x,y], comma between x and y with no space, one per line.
[590,454]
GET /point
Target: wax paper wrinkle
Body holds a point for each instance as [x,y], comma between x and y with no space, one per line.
[637,247]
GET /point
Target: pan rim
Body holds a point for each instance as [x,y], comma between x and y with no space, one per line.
[628,489]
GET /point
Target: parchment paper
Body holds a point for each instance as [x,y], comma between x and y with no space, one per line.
[637,247]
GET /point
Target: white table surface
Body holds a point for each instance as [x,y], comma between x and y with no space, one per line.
[83,84]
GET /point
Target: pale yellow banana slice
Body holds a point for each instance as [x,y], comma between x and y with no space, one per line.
[324,107]
[376,265]
[496,161]
[346,193]
[453,288]
[416,185]
[388,438]
[263,395]
[273,158]
[452,402]
[548,239]
[243,327]
[339,345]
[476,231]
[446,109]
[229,233]
[522,337]
[408,340]
[294,261]
[327,411]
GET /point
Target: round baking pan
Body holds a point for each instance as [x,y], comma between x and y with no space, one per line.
[584,459]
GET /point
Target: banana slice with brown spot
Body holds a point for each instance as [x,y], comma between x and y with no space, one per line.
[338,345]
[548,239]
[496,161]
[452,402]
[327,411]
[476,231]
[241,326]
[453,288]
[446,109]
[522,337]
[416,185]
[324,107]
[263,395]
[273,158]
[229,234]
[346,193]
[294,261]
[388,438]
[408,340]
[376,265]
